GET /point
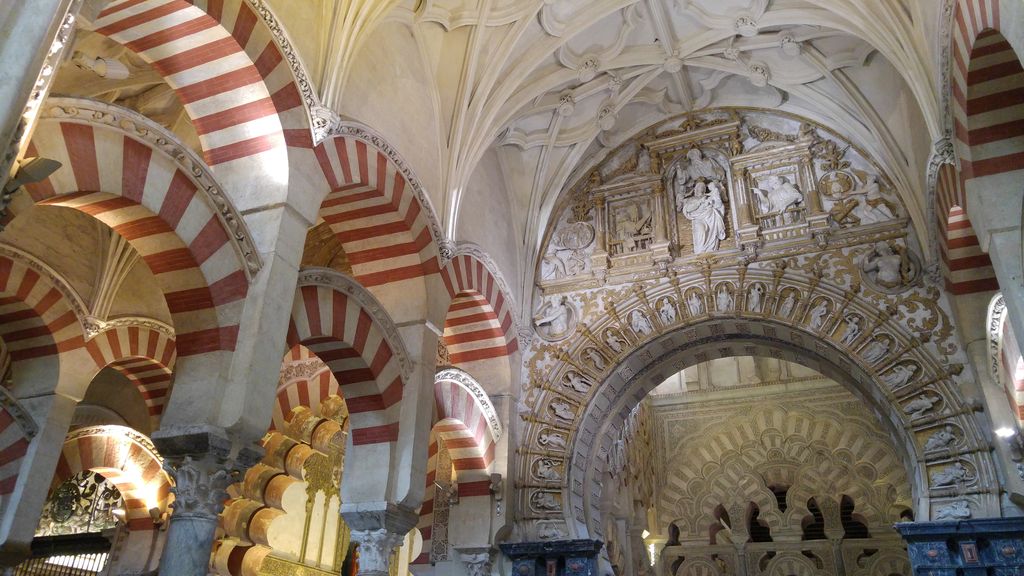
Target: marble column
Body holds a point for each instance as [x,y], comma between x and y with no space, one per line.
[203,462]
[378,530]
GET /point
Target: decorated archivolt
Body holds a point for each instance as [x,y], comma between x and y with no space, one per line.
[813,261]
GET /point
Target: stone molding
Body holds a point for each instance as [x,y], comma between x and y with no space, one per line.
[136,126]
[339,281]
[479,394]
[21,417]
[74,300]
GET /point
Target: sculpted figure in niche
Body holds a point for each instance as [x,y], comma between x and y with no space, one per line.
[546,501]
[596,360]
[553,318]
[724,299]
[550,532]
[563,411]
[874,207]
[551,440]
[958,510]
[667,312]
[953,474]
[876,350]
[818,314]
[706,213]
[779,195]
[787,305]
[898,376]
[614,341]
[640,323]
[546,470]
[693,302]
[944,438]
[917,407]
[577,382]
[754,298]
[852,329]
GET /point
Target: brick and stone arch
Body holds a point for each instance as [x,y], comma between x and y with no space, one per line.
[480,329]
[129,174]
[463,439]
[144,352]
[341,323]
[381,215]
[126,458]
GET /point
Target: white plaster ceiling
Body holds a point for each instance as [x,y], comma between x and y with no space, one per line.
[552,84]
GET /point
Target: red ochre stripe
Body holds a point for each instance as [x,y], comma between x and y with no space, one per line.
[198,56]
[234,116]
[218,85]
[176,32]
[375,434]
[141,18]
[242,149]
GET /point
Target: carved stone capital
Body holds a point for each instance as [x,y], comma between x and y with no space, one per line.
[203,462]
[478,560]
[446,250]
[375,548]
[200,486]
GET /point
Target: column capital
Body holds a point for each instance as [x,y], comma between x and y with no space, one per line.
[375,548]
[203,462]
[478,560]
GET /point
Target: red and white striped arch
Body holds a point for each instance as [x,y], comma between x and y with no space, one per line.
[479,324]
[215,77]
[15,434]
[466,422]
[988,90]
[126,458]
[142,355]
[36,318]
[376,213]
[254,35]
[341,324]
[163,210]
[305,381]
[967,269]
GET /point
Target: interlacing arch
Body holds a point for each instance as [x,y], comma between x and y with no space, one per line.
[885,349]
[467,424]
[480,323]
[343,325]
[144,353]
[126,172]
[126,458]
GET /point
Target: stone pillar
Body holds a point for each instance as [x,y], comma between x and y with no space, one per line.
[966,547]
[52,414]
[378,530]
[203,464]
